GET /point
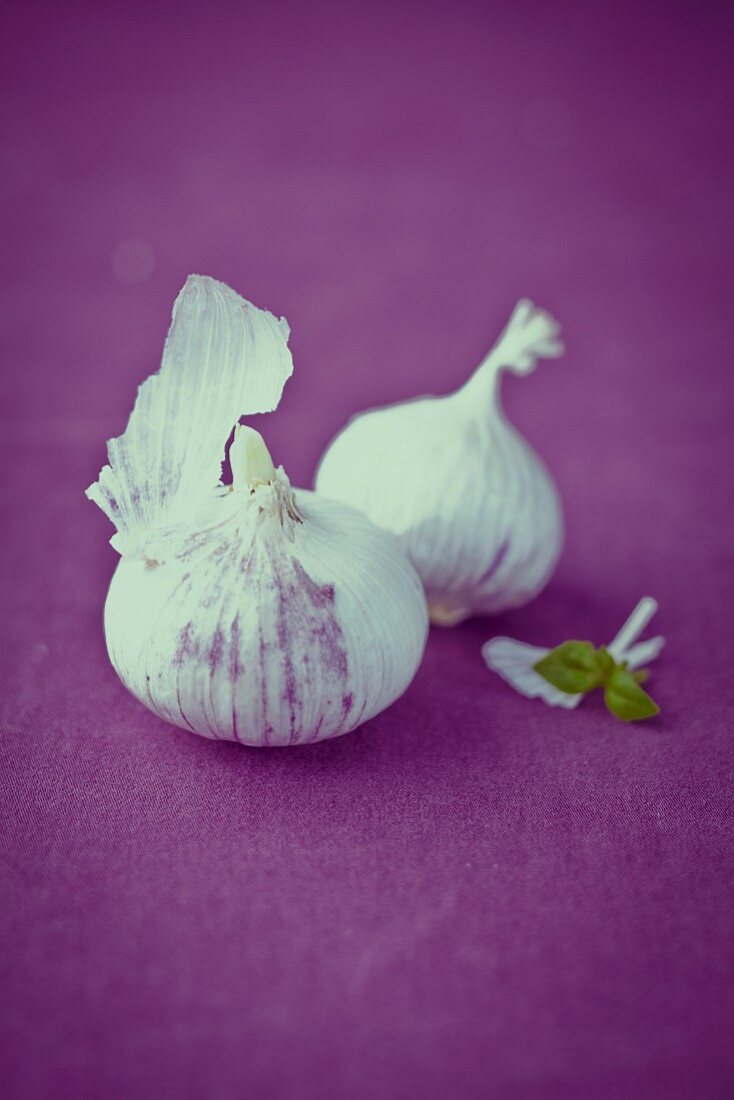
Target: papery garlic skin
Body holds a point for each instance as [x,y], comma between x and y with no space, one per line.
[470,502]
[244,612]
[270,628]
[223,358]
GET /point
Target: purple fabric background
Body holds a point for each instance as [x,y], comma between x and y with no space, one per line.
[472,896]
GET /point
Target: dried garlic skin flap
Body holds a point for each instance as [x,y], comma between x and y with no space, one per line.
[223,359]
[470,502]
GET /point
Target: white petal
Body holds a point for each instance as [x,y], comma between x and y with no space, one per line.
[223,359]
[514,661]
[633,627]
[644,652]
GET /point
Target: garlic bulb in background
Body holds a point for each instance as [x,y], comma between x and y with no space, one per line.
[244,612]
[470,502]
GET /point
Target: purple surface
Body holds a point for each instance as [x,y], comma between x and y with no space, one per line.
[473,895]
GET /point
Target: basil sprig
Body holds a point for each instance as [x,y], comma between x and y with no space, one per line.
[576,668]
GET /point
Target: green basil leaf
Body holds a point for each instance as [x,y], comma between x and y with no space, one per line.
[625,698]
[605,661]
[573,668]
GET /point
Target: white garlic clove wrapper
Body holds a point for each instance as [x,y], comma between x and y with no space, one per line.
[471,504]
[235,612]
[282,623]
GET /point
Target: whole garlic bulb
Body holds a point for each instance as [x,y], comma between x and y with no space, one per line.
[471,504]
[244,612]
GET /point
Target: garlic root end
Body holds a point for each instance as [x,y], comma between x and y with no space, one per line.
[530,334]
[442,614]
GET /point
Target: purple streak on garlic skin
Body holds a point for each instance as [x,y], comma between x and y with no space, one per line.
[215,653]
[327,635]
[494,564]
[307,608]
[235,635]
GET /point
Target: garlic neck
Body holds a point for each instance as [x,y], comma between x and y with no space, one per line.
[250,460]
[482,391]
[529,335]
[255,476]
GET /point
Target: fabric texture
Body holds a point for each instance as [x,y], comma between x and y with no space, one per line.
[473,895]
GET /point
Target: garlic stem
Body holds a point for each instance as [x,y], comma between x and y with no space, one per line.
[250,460]
[529,335]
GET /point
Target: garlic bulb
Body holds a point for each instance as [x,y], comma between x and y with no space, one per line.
[246,612]
[470,502]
